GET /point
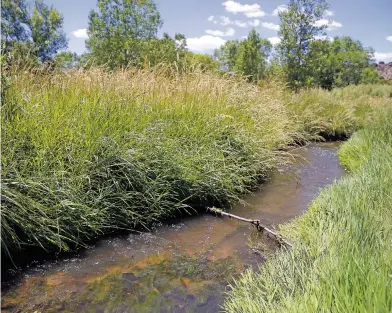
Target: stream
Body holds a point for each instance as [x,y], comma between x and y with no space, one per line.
[180,266]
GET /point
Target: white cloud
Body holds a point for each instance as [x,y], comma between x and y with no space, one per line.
[224,21]
[271,26]
[240,24]
[332,25]
[210,18]
[320,23]
[204,43]
[256,14]
[214,32]
[229,32]
[280,8]
[389,38]
[383,56]
[254,23]
[323,38]
[250,10]
[329,13]
[274,40]
[80,33]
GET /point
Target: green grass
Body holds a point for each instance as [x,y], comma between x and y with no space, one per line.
[342,255]
[339,113]
[86,153]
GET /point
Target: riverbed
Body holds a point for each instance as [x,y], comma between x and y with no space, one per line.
[184,265]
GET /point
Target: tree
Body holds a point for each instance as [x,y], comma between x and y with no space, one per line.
[65,60]
[247,57]
[297,30]
[40,33]
[351,58]
[204,62]
[163,51]
[252,56]
[46,31]
[227,55]
[321,65]
[340,62]
[14,18]
[118,28]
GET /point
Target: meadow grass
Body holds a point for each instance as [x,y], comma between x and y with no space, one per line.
[86,153]
[342,255]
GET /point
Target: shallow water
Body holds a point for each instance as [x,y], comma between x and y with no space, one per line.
[182,266]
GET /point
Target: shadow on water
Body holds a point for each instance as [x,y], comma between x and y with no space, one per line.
[181,266]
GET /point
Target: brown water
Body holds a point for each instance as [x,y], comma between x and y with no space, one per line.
[184,266]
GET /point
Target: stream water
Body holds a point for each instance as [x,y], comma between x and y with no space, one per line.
[181,266]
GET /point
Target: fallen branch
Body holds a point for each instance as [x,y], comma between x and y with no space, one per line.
[260,227]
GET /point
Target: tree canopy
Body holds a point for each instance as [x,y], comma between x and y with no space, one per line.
[297,30]
[247,57]
[39,32]
[117,29]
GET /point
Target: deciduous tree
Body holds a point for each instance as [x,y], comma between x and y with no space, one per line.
[38,34]
[297,30]
[118,28]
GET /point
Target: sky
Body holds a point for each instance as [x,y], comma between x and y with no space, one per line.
[207,24]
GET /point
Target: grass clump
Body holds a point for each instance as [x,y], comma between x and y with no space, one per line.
[338,113]
[88,152]
[342,256]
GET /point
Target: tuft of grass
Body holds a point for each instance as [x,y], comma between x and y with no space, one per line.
[85,153]
[342,256]
[338,113]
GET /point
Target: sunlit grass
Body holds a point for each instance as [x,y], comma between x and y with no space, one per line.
[342,256]
[84,153]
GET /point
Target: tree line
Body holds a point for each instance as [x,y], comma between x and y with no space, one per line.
[124,33]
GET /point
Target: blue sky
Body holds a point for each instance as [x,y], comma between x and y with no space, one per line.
[209,23]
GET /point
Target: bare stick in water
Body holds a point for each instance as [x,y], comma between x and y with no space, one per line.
[260,227]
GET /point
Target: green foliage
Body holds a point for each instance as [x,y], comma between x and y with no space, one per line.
[340,63]
[165,51]
[205,62]
[227,54]
[118,30]
[297,30]
[46,31]
[248,57]
[22,55]
[252,57]
[370,75]
[28,37]
[65,60]
[14,17]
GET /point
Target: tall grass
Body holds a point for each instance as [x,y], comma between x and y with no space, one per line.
[84,153]
[342,256]
[87,152]
[337,114]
